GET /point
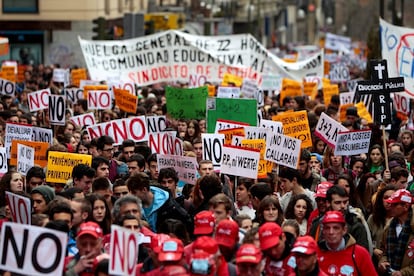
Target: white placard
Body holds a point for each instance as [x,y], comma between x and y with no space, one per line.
[197,80]
[212,145]
[38,100]
[271,82]
[283,150]
[16,132]
[327,129]
[165,143]
[186,167]
[228,92]
[87,119]
[25,158]
[156,123]
[99,100]
[3,161]
[240,161]
[73,94]
[7,87]
[346,97]
[61,75]
[227,124]
[252,132]
[57,110]
[352,142]
[42,135]
[274,126]
[39,250]
[401,103]
[248,89]
[20,208]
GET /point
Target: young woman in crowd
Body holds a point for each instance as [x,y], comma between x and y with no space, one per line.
[299,209]
[270,210]
[375,160]
[100,212]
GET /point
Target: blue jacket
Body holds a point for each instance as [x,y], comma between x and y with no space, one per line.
[150,214]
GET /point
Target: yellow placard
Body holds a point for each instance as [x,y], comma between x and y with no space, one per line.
[20,72]
[363,112]
[88,88]
[125,100]
[259,144]
[8,73]
[296,125]
[262,169]
[290,88]
[342,111]
[77,75]
[310,89]
[60,165]
[39,155]
[211,90]
[328,92]
[228,134]
[165,20]
[231,80]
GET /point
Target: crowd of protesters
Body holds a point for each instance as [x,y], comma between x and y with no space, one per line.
[333,215]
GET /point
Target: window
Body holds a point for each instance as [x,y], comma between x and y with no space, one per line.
[20,6]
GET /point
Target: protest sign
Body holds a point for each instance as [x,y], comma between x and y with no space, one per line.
[156,123]
[272,125]
[123,250]
[327,129]
[402,103]
[296,125]
[352,142]
[342,111]
[256,132]
[229,133]
[3,161]
[328,91]
[241,110]
[40,149]
[346,97]
[271,82]
[61,75]
[236,140]
[73,94]
[9,72]
[258,144]
[7,87]
[240,161]
[197,80]
[186,167]
[283,150]
[339,72]
[99,100]
[78,75]
[57,110]
[25,158]
[20,208]
[396,47]
[41,134]
[338,43]
[16,132]
[32,250]
[125,101]
[124,85]
[101,129]
[60,165]
[231,80]
[86,119]
[38,100]
[363,112]
[310,89]
[187,103]
[228,92]
[212,146]
[290,88]
[248,89]
[226,124]
[165,143]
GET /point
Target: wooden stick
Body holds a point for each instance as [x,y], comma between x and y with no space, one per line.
[385,148]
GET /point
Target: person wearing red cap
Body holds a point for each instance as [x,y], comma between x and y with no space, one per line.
[338,252]
[276,248]
[398,237]
[317,214]
[304,250]
[249,260]
[227,237]
[152,263]
[89,243]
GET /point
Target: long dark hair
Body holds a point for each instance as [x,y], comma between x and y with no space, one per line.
[379,212]
[107,221]
[290,209]
[270,200]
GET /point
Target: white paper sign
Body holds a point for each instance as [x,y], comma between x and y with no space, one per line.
[240,161]
[156,123]
[3,161]
[39,250]
[25,158]
[248,89]
[271,82]
[274,126]
[252,132]
[7,87]
[73,94]
[165,143]
[61,75]
[228,92]
[57,110]
[227,124]
[16,132]
[346,97]
[283,150]
[38,100]
[213,148]
[186,167]
[20,208]
[197,80]
[327,129]
[87,119]
[402,103]
[99,100]
[42,135]
[352,142]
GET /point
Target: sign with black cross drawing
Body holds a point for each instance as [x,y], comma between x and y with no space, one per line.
[380,87]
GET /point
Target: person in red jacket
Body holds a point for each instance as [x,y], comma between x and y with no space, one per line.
[304,250]
[338,252]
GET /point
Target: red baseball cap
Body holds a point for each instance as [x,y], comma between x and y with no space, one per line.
[206,244]
[204,223]
[173,270]
[333,216]
[269,235]
[248,253]
[305,245]
[322,188]
[400,196]
[171,250]
[227,233]
[157,240]
[90,228]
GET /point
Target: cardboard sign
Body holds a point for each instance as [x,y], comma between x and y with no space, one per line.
[3,161]
[227,124]
[240,161]
[125,85]
[38,100]
[40,149]
[123,250]
[99,100]
[296,125]
[41,134]
[229,133]
[16,132]
[186,167]
[24,249]
[290,88]
[346,97]
[187,103]
[258,144]
[9,72]
[342,111]
[20,208]
[60,165]
[165,143]
[228,92]
[7,87]
[327,129]
[77,75]
[283,150]
[402,103]
[73,94]
[328,92]
[272,125]
[25,158]
[310,89]
[240,110]
[352,142]
[156,123]
[87,119]
[231,80]
[57,110]
[213,148]
[125,100]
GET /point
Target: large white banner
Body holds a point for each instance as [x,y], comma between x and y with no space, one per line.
[397,44]
[174,56]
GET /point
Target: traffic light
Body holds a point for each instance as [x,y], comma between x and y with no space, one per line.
[149,27]
[99,29]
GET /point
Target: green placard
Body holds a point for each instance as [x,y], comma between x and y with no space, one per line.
[186,103]
[239,110]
